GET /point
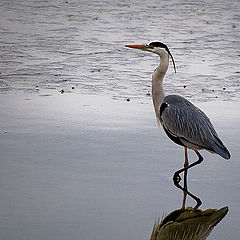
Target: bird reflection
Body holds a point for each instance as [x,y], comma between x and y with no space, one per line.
[187,223]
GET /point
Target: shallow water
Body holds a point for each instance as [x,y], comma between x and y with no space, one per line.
[88,164]
[81,166]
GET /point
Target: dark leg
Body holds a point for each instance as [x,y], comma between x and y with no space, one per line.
[177,178]
[185,179]
[199,202]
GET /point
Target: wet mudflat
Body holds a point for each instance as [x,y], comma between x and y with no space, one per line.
[79,161]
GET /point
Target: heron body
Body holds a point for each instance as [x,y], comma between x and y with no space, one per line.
[184,123]
[189,127]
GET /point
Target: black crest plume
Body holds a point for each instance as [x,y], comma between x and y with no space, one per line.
[162,45]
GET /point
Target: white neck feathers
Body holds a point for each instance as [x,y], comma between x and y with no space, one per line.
[157,83]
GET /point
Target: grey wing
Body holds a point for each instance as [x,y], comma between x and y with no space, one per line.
[188,125]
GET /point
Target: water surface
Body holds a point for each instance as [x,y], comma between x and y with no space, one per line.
[79,161]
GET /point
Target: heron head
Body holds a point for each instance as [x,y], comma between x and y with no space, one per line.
[155,47]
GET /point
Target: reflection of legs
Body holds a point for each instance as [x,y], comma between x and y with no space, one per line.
[199,202]
[185,179]
[177,178]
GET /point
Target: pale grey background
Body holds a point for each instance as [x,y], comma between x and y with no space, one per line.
[87,164]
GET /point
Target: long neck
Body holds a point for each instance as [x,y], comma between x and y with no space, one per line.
[157,84]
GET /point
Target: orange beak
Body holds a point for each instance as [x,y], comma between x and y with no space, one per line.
[142,47]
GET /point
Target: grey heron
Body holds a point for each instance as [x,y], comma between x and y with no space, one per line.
[184,123]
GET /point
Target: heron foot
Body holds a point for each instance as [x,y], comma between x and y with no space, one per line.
[176,178]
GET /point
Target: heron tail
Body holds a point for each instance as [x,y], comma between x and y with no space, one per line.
[220,149]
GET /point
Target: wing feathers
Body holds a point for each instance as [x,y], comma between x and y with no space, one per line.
[187,122]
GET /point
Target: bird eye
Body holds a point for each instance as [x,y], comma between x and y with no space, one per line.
[150,46]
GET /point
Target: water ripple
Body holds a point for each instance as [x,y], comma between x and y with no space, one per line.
[81,43]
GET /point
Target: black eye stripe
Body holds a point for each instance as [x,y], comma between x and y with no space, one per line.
[158,44]
[162,45]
